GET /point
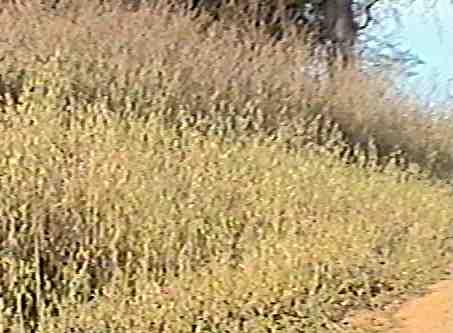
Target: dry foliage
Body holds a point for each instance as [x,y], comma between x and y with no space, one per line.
[158,176]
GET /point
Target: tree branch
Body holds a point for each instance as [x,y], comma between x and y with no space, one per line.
[369,18]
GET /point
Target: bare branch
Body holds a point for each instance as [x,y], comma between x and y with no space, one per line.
[369,18]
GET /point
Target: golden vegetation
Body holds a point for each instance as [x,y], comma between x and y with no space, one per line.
[160,176]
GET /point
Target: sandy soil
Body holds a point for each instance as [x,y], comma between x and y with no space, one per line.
[432,313]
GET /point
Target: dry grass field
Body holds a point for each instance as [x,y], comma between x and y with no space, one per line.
[160,174]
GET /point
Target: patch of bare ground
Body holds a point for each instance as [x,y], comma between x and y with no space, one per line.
[431,312]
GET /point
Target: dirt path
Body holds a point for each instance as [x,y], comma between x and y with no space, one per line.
[432,313]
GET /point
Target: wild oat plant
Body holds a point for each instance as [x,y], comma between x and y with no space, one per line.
[159,174]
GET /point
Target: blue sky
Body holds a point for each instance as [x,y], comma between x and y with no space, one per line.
[427,32]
